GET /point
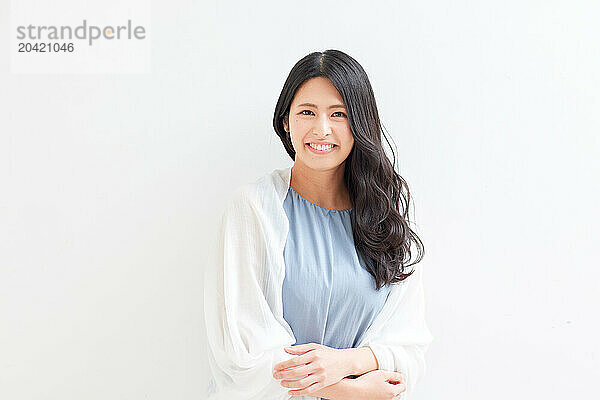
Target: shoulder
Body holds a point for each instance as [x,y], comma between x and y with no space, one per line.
[410,285]
[251,195]
[241,201]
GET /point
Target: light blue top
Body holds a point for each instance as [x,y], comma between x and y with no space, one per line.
[328,295]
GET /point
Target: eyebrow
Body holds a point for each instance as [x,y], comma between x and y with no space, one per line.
[315,106]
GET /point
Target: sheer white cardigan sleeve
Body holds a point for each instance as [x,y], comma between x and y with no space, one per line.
[402,342]
[245,338]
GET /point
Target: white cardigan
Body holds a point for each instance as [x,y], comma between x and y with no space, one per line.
[243,305]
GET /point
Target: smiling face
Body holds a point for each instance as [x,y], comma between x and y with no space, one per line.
[318,117]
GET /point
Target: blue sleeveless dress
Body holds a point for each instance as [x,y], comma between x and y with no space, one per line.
[328,295]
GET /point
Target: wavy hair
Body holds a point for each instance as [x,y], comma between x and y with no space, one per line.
[379,195]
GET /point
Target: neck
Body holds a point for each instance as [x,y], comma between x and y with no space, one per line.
[325,188]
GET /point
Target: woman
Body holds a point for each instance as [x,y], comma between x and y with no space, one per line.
[309,295]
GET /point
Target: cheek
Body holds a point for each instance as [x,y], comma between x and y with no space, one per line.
[300,125]
[349,146]
[349,141]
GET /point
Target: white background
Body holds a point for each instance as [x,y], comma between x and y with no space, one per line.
[110,186]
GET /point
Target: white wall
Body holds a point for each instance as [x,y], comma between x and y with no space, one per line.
[111,183]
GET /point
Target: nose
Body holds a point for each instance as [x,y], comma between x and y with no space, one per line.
[322,128]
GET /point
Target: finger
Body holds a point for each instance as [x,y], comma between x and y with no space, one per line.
[306,390]
[290,349]
[297,372]
[294,361]
[393,376]
[398,390]
[295,351]
[301,348]
[300,384]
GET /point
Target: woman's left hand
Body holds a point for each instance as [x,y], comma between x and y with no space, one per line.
[324,366]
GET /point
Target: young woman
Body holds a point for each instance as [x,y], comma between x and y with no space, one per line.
[309,294]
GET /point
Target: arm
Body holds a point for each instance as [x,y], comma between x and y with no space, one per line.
[354,361]
[397,344]
[342,390]
[377,384]
[401,344]
[245,337]
[361,360]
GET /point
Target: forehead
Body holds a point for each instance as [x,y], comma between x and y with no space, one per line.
[319,92]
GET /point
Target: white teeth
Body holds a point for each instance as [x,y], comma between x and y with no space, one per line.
[320,147]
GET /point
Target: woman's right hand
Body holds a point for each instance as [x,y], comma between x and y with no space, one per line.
[379,384]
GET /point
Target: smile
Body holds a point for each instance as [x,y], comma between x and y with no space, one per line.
[319,149]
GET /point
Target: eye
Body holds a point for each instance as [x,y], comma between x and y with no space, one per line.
[301,112]
[339,112]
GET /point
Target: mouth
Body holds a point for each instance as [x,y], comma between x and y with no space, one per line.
[321,149]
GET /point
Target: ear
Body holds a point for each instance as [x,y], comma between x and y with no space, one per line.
[285,123]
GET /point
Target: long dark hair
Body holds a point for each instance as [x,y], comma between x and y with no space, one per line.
[380,196]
